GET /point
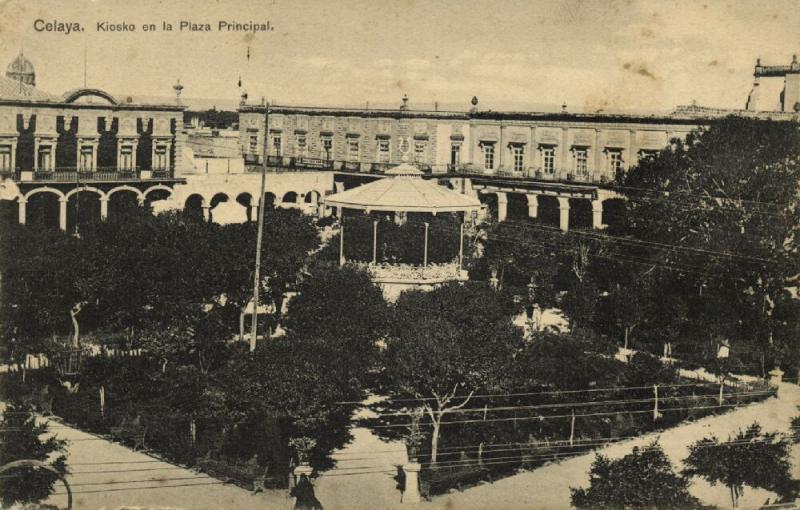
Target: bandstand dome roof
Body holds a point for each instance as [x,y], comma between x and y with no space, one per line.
[403,189]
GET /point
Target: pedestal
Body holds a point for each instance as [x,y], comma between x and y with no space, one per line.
[411,494]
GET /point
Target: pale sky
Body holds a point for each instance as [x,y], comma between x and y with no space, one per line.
[640,55]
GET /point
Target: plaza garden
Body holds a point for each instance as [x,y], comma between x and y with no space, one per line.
[142,318]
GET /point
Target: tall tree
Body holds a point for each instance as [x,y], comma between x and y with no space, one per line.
[720,212]
[643,479]
[447,344]
[751,457]
[342,309]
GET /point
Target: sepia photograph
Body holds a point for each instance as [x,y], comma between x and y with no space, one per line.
[399,254]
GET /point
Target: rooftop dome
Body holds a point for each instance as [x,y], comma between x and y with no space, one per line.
[21,69]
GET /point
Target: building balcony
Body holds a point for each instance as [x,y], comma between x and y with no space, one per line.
[72,174]
[313,163]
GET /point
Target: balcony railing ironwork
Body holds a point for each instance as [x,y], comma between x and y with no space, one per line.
[103,174]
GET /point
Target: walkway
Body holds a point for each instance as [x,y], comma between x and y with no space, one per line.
[105,475]
[548,487]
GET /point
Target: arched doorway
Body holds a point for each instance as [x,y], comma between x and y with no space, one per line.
[580,213]
[193,207]
[246,201]
[43,209]
[83,210]
[122,202]
[289,199]
[155,195]
[613,212]
[548,211]
[517,207]
[490,201]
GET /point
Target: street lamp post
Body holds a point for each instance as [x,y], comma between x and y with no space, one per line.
[261,207]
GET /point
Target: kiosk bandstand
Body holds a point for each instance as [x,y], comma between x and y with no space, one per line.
[404,199]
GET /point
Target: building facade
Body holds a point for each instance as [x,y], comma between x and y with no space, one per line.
[55,147]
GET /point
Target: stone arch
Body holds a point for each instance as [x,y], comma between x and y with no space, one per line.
[580,213]
[155,188]
[613,211]
[489,199]
[42,207]
[290,197]
[45,189]
[312,197]
[193,206]
[270,199]
[245,199]
[138,192]
[121,202]
[82,209]
[218,198]
[74,95]
[548,210]
[83,189]
[517,207]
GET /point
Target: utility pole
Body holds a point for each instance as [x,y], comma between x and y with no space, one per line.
[261,207]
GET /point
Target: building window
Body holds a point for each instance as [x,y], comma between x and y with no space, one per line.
[5,158]
[85,160]
[276,144]
[647,153]
[518,154]
[302,143]
[253,141]
[614,161]
[581,155]
[126,157]
[455,154]
[488,156]
[383,151]
[548,160]
[419,152]
[160,158]
[327,147]
[352,149]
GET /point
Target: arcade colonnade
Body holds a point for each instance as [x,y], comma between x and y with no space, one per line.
[63,199]
[596,199]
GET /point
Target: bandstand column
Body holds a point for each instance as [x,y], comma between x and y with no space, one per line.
[374,242]
[533,205]
[341,242]
[22,203]
[461,245]
[425,253]
[62,213]
[563,213]
[502,206]
[103,208]
[597,214]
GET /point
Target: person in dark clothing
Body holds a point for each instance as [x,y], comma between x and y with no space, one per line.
[304,492]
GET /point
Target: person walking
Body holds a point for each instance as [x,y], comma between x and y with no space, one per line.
[304,492]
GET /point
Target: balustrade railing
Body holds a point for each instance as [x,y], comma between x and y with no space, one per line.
[73,174]
[386,272]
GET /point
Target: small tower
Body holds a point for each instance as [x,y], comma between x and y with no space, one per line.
[178,88]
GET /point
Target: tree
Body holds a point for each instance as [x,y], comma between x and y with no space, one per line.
[342,309]
[749,458]
[720,213]
[447,344]
[20,439]
[643,479]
